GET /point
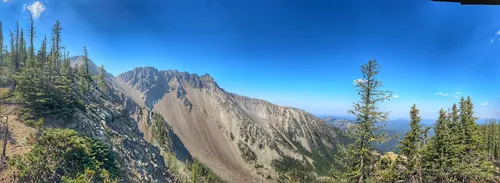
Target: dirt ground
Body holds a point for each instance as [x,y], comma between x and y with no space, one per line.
[17,140]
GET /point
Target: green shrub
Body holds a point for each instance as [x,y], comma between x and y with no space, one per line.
[64,155]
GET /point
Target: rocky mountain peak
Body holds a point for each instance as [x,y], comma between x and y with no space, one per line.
[78,61]
[143,78]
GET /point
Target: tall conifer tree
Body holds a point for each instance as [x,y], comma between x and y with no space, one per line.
[411,148]
[361,161]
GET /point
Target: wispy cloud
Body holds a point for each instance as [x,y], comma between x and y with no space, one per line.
[355,82]
[485,103]
[496,37]
[5,1]
[442,94]
[456,94]
[395,96]
[36,9]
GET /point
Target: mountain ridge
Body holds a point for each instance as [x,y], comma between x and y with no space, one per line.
[242,133]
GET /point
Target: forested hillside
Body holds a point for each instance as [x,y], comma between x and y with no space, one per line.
[81,130]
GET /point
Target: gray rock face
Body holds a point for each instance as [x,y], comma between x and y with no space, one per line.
[236,136]
[108,121]
[109,116]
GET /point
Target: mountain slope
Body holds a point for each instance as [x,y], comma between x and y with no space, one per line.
[240,138]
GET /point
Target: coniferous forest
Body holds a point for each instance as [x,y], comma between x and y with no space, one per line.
[46,86]
[459,151]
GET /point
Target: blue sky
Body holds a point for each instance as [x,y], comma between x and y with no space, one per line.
[297,53]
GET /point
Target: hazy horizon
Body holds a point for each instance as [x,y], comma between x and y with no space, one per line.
[298,54]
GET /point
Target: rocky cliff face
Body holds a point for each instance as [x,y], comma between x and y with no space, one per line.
[115,118]
[239,138]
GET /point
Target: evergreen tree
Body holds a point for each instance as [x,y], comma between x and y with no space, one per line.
[66,67]
[44,89]
[361,161]
[12,64]
[42,60]
[474,165]
[102,79]
[16,49]
[55,53]
[497,144]
[85,78]
[1,44]
[56,45]
[437,153]
[411,148]
[195,171]
[32,38]
[22,50]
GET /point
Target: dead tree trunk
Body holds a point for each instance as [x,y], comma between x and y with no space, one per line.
[5,135]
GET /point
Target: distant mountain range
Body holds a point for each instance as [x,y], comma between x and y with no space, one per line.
[397,128]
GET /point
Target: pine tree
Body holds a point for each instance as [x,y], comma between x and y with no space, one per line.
[66,67]
[3,69]
[32,38]
[56,45]
[474,164]
[195,171]
[16,48]
[22,50]
[1,44]
[102,79]
[497,144]
[361,161]
[42,60]
[85,78]
[437,153]
[12,57]
[55,52]
[411,148]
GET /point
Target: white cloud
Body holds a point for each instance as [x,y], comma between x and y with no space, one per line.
[486,103]
[36,9]
[495,37]
[395,96]
[456,94]
[355,82]
[5,1]
[442,94]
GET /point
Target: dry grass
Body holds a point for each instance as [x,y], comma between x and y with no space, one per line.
[17,143]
